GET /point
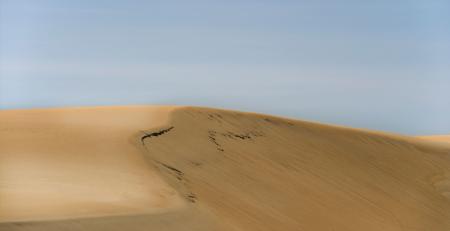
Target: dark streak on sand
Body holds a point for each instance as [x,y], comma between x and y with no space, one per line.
[153,134]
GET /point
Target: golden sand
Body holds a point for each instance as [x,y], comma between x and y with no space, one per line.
[187,168]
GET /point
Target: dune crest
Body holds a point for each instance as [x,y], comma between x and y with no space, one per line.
[228,170]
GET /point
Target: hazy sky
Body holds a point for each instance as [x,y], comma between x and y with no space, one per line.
[381,65]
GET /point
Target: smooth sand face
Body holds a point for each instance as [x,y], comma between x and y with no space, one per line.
[67,163]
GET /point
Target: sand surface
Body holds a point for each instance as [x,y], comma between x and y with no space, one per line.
[185,168]
[67,163]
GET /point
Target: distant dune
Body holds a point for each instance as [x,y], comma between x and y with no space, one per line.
[187,168]
[440,138]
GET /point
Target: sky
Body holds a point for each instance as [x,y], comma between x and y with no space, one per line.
[382,65]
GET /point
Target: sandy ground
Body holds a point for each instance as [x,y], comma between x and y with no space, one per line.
[205,169]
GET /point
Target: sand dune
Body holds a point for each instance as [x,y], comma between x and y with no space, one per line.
[439,138]
[186,168]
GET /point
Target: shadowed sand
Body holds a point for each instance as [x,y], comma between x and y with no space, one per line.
[186,168]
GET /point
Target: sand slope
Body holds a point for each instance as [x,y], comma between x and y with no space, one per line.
[216,170]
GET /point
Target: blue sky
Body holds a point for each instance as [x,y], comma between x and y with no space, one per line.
[382,65]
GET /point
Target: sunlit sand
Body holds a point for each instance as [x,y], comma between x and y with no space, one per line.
[67,163]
